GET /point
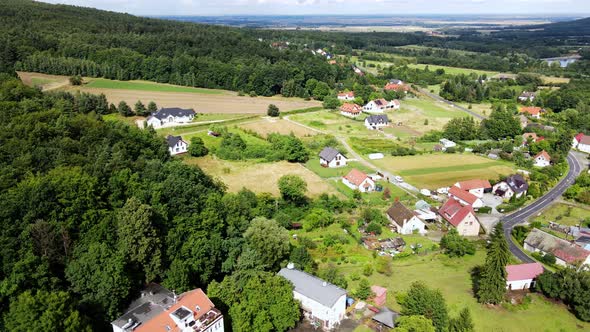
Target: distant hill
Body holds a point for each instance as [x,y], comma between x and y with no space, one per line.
[576,28]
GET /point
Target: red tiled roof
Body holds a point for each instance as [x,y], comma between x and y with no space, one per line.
[543,154]
[531,110]
[350,108]
[526,136]
[454,212]
[579,137]
[392,86]
[572,255]
[356,177]
[474,184]
[380,102]
[189,300]
[523,271]
[463,195]
[583,139]
[349,94]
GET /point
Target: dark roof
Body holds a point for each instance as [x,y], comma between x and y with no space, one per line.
[328,153]
[172,140]
[399,213]
[154,300]
[163,113]
[313,287]
[386,317]
[517,183]
[377,118]
[560,248]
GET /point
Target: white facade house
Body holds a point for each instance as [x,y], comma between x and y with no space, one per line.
[332,158]
[582,143]
[446,143]
[527,96]
[405,221]
[346,96]
[357,180]
[461,217]
[321,301]
[350,110]
[476,187]
[374,122]
[542,159]
[465,197]
[522,276]
[167,117]
[176,145]
[159,309]
[513,185]
[381,105]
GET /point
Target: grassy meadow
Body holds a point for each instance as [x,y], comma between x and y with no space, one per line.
[102,83]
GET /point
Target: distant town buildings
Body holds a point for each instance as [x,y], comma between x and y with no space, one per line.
[563,61]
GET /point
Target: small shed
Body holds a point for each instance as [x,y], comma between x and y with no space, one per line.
[380,295]
[422,205]
[386,317]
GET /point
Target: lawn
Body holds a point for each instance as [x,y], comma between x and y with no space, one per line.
[101,83]
[564,214]
[314,165]
[435,170]
[423,115]
[376,145]
[483,109]
[454,70]
[267,126]
[258,176]
[334,123]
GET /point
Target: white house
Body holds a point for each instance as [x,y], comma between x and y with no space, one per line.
[527,96]
[513,185]
[350,110]
[176,145]
[159,309]
[166,117]
[533,112]
[346,95]
[476,187]
[566,253]
[465,197]
[522,276]
[446,143]
[403,220]
[321,301]
[332,158]
[461,217]
[356,179]
[581,142]
[542,159]
[381,105]
[374,122]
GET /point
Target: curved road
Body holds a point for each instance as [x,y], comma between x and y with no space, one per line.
[448,102]
[521,215]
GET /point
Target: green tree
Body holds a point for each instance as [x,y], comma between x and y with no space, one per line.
[138,238]
[363,291]
[492,283]
[455,245]
[462,323]
[331,102]
[415,323]
[320,91]
[44,311]
[152,107]
[76,80]
[140,108]
[420,300]
[501,124]
[124,109]
[273,110]
[292,188]
[269,240]
[197,147]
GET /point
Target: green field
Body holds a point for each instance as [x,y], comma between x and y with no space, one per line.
[314,165]
[565,214]
[454,70]
[101,83]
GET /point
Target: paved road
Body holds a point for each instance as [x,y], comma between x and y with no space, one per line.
[521,215]
[448,102]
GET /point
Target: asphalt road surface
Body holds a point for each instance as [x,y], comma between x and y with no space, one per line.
[541,203]
[448,102]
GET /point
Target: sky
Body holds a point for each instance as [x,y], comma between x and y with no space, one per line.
[335,7]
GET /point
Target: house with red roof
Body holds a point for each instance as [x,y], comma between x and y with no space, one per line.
[532,111]
[582,142]
[381,105]
[462,217]
[350,110]
[380,295]
[532,138]
[522,276]
[566,253]
[346,95]
[542,159]
[357,180]
[397,85]
[465,197]
[159,309]
[476,187]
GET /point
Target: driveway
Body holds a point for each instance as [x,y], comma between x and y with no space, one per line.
[492,201]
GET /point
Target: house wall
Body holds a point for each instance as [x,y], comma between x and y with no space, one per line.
[469,226]
[332,315]
[520,284]
[154,122]
[350,115]
[584,148]
[372,126]
[530,248]
[368,182]
[349,184]
[477,192]
[216,326]
[541,162]
[373,108]
[339,161]
[180,147]
[413,224]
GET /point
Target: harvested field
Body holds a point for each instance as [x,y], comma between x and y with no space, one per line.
[267,126]
[259,177]
[44,81]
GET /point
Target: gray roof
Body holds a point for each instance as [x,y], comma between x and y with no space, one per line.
[517,183]
[172,140]
[386,317]
[154,300]
[328,154]
[163,113]
[422,205]
[377,118]
[313,287]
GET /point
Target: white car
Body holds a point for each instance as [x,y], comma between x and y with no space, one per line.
[399,179]
[425,192]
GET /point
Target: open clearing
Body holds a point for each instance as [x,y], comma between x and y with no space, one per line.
[454,70]
[44,81]
[259,177]
[101,83]
[437,170]
[267,126]
[565,214]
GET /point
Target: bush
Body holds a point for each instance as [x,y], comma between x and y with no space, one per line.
[455,245]
[197,147]
[485,209]
[273,111]
[374,228]
[76,80]
[368,270]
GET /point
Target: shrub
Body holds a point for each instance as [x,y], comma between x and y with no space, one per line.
[76,80]
[273,110]
[197,147]
[368,270]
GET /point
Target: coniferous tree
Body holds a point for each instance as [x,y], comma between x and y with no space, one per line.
[124,109]
[462,323]
[152,107]
[140,108]
[492,283]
